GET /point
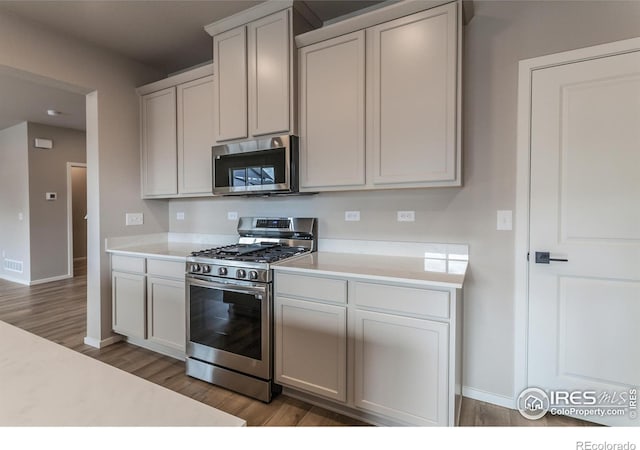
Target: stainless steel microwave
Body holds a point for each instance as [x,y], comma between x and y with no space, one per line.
[259,167]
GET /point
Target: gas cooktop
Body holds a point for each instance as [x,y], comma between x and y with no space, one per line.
[263,240]
[263,252]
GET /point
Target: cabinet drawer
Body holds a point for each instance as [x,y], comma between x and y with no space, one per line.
[127,264]
[312,288]
[411,301]
[164,268]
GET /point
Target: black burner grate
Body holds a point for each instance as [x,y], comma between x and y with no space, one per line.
[267,252]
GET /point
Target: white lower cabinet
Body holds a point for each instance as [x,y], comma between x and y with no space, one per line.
[386,352]
[128,300]
[400,367]
[310,341]
[148,299]
[165,308]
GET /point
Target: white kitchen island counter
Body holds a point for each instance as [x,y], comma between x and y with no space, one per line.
[46,384]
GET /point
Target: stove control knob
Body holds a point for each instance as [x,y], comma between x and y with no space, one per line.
[240,273]
[195,268]
[253,275]
[206,269]
[222,271]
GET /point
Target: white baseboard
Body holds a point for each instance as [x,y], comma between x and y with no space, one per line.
[97,343]
[49,280]
[158,348]
[488,397]
[14,280]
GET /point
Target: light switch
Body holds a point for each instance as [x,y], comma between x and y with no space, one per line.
[180,216]
[504,220]
[232,215]
[49,196]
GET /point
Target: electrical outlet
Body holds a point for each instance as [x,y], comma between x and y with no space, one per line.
[49,196]
[180,216]
[504,220]
[20,216]
[232,215]
[406,216]
[134,219]
[352,216]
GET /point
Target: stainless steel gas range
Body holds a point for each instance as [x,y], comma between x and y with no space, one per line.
[230,303]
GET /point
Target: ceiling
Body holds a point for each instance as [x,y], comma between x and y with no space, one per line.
[166,34]
[24,100]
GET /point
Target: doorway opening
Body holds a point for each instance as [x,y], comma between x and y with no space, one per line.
[77,218]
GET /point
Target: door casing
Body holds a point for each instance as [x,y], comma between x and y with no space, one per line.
[523,179]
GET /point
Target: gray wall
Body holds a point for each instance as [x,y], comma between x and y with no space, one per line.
[48,173]
[79,211]
[500,34]
[113,149]
[14,200]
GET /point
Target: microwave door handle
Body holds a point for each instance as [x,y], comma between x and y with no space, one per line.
[228,286]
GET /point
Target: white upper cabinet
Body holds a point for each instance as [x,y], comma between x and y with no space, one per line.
[230,98]
[195,136]
[411,108]
[177,134]
[332,113]
[254,63]
[159,162]
[269,74]
[413,98]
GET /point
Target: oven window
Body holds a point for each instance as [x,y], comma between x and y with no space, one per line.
[226,321]
[264,167]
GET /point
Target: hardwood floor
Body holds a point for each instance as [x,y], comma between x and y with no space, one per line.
[57,312]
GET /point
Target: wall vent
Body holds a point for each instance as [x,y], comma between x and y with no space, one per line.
[13,265]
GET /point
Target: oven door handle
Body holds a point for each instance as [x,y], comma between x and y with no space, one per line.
[230,287]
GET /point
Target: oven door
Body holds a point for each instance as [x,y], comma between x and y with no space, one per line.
[229,324]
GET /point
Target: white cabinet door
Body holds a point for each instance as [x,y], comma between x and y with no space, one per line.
[401,367]
[230,93]
[159,162]
[584,312]
[166,312]
[332,108]
[269,74]
[195,136]
[411,102]
[128,304]
[311,347]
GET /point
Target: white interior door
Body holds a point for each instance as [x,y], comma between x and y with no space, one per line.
[584,314]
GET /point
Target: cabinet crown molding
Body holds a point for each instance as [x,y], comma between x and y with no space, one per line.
[174,80]
[368,17]
[248,15]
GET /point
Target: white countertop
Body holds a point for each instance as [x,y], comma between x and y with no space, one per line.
[428,271]
[45,384]
[172,246]
[430,264]
[164,250]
